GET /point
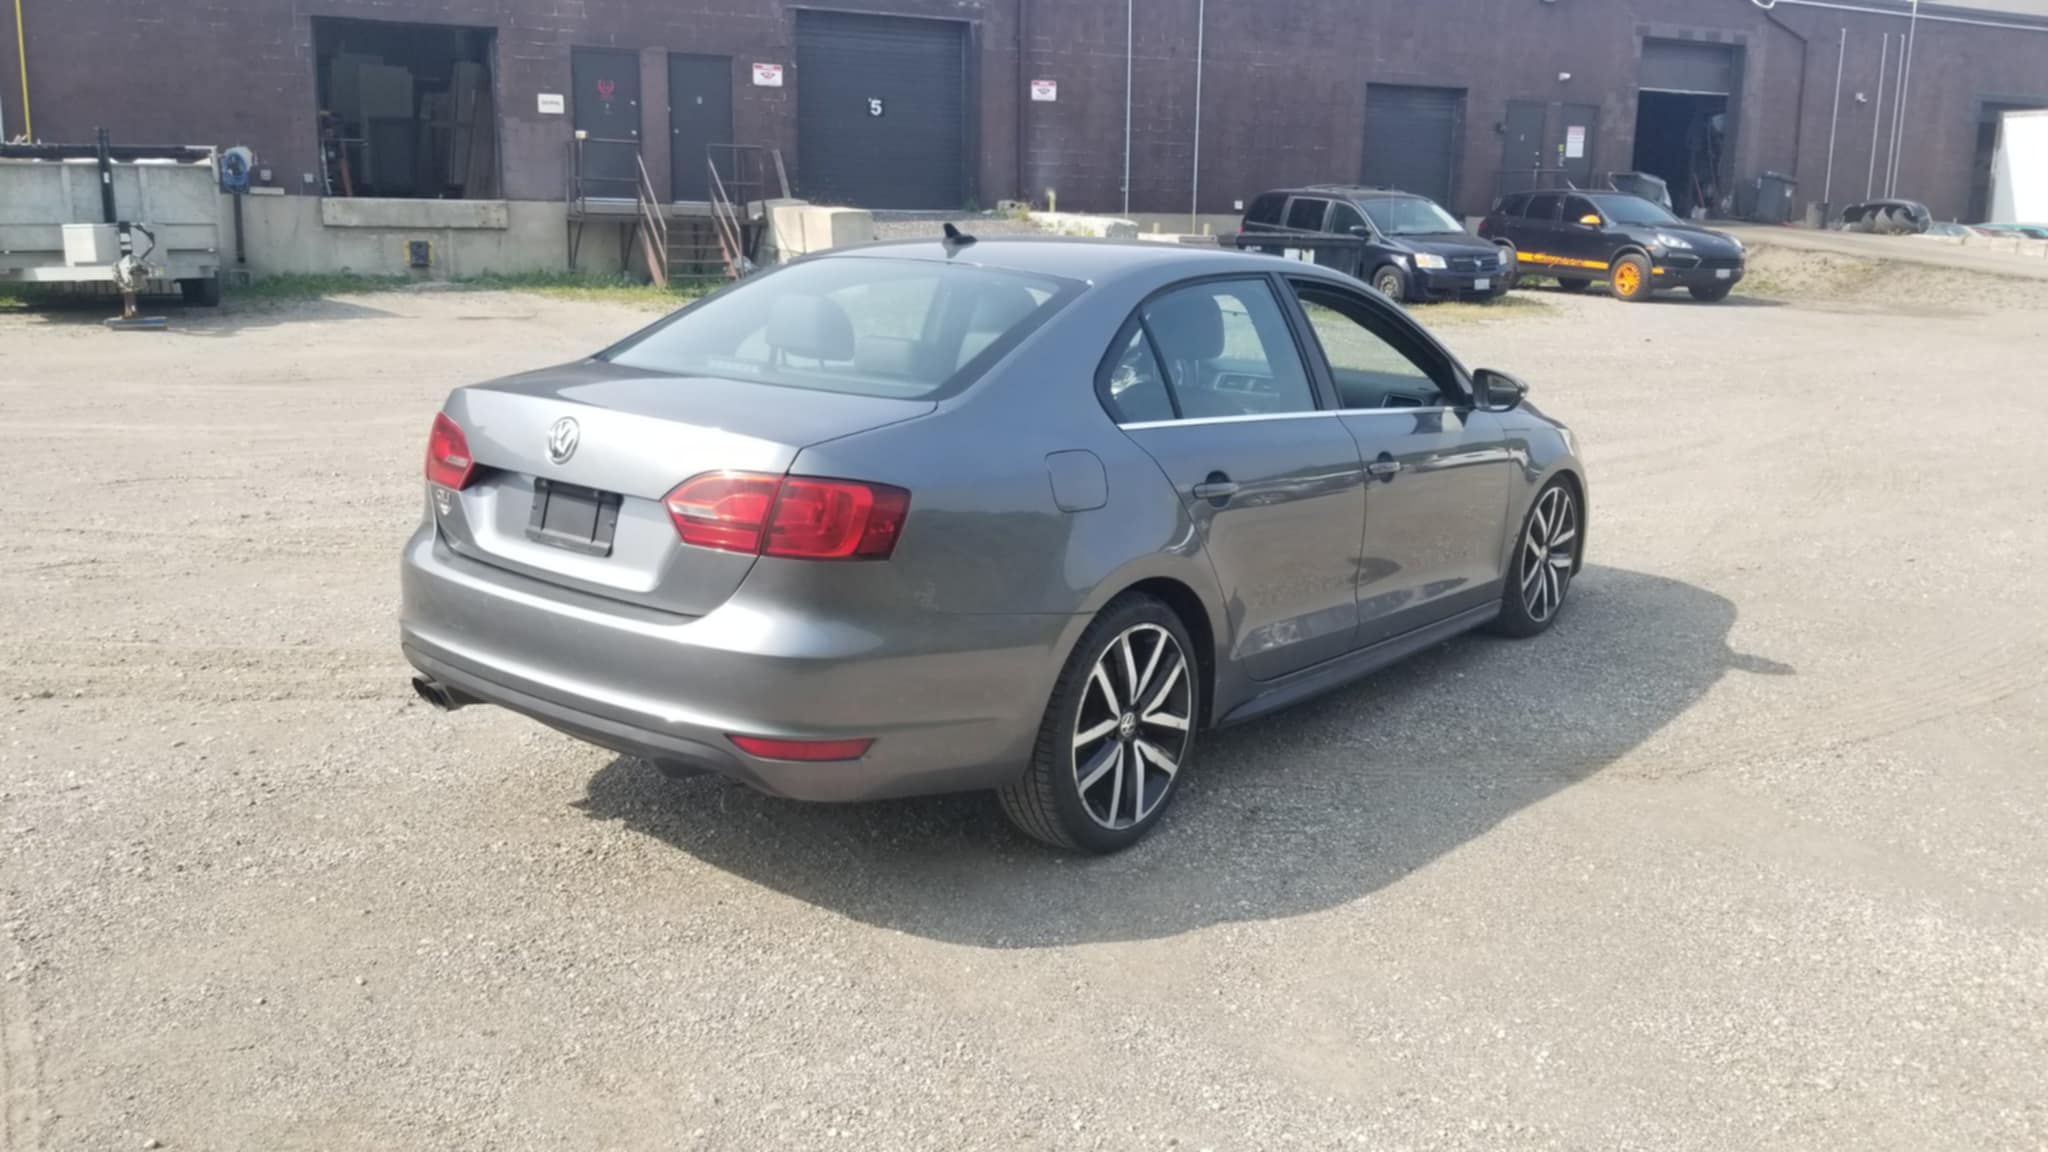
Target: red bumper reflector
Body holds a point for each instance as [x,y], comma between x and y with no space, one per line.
[810,751]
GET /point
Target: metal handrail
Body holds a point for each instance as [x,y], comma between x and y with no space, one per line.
[655,239]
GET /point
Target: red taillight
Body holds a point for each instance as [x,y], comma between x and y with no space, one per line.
[797,516]
[448,460]
[805,750]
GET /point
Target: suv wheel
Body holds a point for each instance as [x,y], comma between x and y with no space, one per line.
[1117,734]
[1629,278]
[1389,282]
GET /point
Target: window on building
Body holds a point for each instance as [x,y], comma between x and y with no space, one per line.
[406,110]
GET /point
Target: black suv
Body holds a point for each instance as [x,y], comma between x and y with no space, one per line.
[1412,249]
[1633,244]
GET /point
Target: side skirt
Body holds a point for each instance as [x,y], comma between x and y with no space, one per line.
[1344,669]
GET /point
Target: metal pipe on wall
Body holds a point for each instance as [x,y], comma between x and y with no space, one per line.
[1884,59]
[1195,181]
[1827,190]
[1023,98]
[1905,87]
[28,123]
[1891,141]
[1130,26]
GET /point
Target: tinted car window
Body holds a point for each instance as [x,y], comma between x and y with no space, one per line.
[873,327]
[1135,388]
[1635,210]
[1542,206]
[1306,214]
[1228,350]
[1344,217]
[1266,209]
[1411,216]
[1577,208]
[1512,205]
[1367,359]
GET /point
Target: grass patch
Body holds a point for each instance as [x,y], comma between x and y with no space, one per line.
[310,286]
[1514,304]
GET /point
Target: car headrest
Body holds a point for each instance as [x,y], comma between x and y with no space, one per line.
[810,326]
[1001,307]
[1188,325]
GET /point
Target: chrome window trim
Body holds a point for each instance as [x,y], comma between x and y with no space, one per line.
[1143,425]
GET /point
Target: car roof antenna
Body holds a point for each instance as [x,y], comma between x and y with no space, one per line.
[956,239]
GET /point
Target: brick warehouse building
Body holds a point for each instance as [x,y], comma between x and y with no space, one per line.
[932,103]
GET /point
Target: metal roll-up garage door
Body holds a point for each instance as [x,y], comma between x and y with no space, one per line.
[1689,67]
[881,110]
[1411,138]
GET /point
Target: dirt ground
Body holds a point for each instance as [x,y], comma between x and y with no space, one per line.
[1748,853]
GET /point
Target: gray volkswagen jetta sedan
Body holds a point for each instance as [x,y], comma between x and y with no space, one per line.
[1020,515]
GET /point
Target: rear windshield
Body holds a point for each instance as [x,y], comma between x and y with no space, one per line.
[907,329]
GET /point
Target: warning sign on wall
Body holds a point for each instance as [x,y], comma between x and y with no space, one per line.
[767,75]
[1575,142]
[1045,91]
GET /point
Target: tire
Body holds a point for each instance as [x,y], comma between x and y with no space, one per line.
[1628,278]
[1711,293]
[1083,734]
[1573,283]
[1538,577]
[202,291]
[1511,274]
[1388,281]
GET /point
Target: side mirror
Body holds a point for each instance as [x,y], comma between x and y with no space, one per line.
[1590,220]
[1360,231]
[1497,391]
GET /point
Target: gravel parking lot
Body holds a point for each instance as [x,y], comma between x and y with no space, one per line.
[1749,853]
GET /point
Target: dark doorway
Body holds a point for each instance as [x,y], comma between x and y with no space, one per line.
[1685,119]
[605,89]
[405,109]
[1681,136]
[699,115]
[881,110]
[1577,126]
[1411,139]
[1521,146]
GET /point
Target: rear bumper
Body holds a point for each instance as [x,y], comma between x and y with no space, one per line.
[952,703]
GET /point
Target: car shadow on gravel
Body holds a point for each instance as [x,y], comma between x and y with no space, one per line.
[1306,810]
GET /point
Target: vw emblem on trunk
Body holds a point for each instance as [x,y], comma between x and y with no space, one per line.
[562,437]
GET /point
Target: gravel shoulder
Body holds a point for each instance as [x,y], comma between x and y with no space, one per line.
[1748,853]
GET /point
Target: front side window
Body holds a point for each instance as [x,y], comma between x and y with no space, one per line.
[1372,363]
[1306,214]
[908,329]
[1411,217]
[1577,209]
[1227,351]
[1343,218]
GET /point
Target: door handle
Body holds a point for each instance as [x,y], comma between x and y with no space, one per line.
[1217,487]
[1384,468]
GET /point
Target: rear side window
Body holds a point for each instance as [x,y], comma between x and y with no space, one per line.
[1306,214]
[1135,388]
[908,329]
[1227,350]
[1266,209]
[1542,206]
[1513,205]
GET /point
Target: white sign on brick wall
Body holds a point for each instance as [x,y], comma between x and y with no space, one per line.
[1045,91]
[768,75]
[551,103]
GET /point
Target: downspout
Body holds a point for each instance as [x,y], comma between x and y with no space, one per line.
[1130,27]
[1195,182]
[1884,60]
[28,124]
[1905,86]
[1827,190]
[1799,101]
[1023,97]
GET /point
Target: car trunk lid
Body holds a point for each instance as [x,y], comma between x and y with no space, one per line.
[573,463]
